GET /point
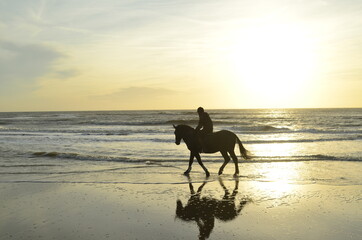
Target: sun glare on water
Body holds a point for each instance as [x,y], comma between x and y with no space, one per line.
[272,62]
[278,179]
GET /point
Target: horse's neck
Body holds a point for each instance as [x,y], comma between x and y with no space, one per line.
[188,137]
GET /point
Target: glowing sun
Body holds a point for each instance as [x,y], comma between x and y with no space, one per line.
[273,62]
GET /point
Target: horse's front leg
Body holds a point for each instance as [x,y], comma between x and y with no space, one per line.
[197,155]
[191,160]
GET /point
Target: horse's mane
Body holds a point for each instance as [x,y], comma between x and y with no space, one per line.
[185,127]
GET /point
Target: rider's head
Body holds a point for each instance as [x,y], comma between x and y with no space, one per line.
[200,110]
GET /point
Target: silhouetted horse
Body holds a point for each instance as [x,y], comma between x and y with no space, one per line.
[221,141]
[204,210]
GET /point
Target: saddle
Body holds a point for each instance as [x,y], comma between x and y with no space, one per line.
[204,143]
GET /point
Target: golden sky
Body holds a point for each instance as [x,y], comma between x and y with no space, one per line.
[121,55]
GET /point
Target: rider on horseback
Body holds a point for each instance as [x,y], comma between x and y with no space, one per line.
[206,124]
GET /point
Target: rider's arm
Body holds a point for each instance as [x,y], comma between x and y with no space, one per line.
[200,124]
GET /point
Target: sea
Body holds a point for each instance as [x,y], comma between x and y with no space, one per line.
[35,146]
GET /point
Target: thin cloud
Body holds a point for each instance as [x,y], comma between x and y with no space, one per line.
[65,74]
[21,65]
[136,93]
[139,98]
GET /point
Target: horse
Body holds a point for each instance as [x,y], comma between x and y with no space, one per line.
[222,141]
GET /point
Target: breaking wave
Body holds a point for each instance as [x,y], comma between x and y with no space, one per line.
[79,156]
[183,159]
[347,138]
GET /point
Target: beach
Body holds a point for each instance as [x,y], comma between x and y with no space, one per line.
[140,202]
[119,175]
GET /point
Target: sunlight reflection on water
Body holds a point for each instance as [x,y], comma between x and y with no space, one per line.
[277,149]
[279,178]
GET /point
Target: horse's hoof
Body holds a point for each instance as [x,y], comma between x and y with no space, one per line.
[186,173]
[207,174]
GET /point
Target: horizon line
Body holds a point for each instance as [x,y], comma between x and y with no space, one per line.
[175,109]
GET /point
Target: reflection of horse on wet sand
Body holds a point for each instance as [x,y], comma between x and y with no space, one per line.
[204,210]
[222,141]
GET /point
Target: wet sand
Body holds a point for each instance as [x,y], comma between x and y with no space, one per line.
[158,202]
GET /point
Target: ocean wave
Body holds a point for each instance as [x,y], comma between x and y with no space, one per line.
[187,113]
[352,138]
[272,129]
[182,122]
[296,158]
[78,156]
[97,127]
[20,133]
[113,133]
[268,128]
[86,132]
[304,158]
[167,136]
[236,126]
[261,129]
[162,159]
[194,122]
[133,122]
[28,165]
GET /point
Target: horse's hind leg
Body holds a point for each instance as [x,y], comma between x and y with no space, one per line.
[197,155]
[226,160]
[235,159]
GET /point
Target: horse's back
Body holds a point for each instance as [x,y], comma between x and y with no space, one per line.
[223,133]
[221,140]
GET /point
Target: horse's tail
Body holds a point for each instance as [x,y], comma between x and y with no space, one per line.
[244,153]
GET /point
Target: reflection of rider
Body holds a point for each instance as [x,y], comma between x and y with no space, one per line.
[204,122]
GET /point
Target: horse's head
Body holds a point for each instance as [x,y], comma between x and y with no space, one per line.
[182,132]
[178,134]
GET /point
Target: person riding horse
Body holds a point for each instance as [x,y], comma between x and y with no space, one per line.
[205,122]
[222,141]
[204,127]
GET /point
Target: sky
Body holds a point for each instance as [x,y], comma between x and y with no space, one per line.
[163,54]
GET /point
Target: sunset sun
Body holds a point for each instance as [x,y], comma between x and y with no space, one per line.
[273,62]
